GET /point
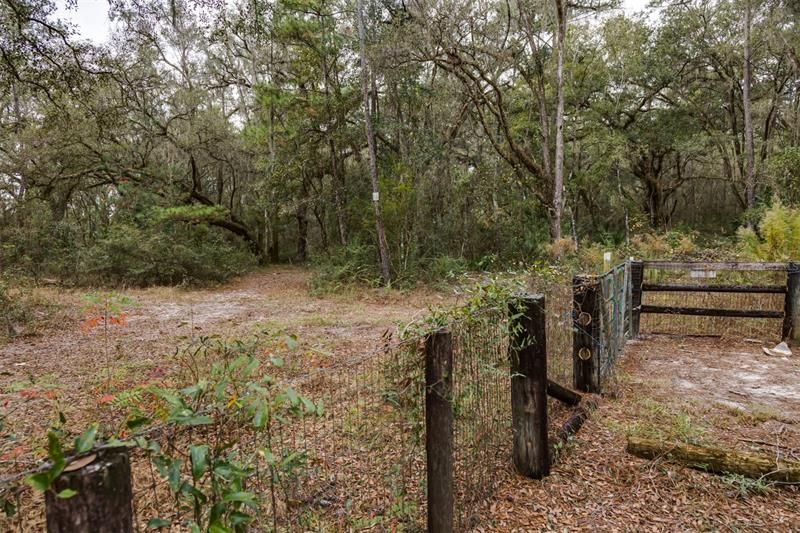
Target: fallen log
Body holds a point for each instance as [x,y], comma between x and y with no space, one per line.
[717,460]
[562,393]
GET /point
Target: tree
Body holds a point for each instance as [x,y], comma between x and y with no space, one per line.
[383,247]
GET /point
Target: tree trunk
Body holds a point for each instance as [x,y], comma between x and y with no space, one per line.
[274,235]
[336,175]
[339,189]
[302,226]
[558,178]
[383,246]
[302,234]
[717,460]
[18,125]
[750,176]
[323,232]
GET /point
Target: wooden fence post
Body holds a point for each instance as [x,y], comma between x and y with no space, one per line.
[103,499]
[636,280]
[585,334]
[791,307]
[439,430]
[528,351]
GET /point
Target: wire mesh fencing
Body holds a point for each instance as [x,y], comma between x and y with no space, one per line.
[615,316]
[332,449]
[314,447]
[558,294]
[481,410]
[333,445]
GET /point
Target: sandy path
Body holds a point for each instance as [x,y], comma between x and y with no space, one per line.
[66,369]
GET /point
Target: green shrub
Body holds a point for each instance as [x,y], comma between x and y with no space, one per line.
[355,264]
[784,168]
[778,238]
[14,311]
[173,254]
[444,269]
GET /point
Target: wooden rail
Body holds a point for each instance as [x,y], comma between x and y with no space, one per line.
[703,311]
[721,265]
[790,313]
[679,287]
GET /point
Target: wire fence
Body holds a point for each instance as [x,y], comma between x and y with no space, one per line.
[615,316]
[481,411]
[334,444]
[341,449]
[558,292]
[342,446]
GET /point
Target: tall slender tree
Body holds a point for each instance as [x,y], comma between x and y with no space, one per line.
[383,245]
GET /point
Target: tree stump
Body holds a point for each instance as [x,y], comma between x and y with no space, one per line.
[103,503]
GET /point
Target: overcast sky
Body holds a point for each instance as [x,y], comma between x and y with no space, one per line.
[91,16]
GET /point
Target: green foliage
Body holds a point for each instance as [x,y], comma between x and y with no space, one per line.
[778,238]
[784,168]
[14,310]
[190,213]
[153,246]
[181,253]
[221,483]
[43,480]
[745,486]
[345,266]
[208,475]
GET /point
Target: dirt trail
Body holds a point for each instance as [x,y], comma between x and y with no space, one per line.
[66,369]
[729,375]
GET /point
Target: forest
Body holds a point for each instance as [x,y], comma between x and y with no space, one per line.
[392,140]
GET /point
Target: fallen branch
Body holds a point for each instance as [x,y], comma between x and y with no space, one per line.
[767,443]
[717,460]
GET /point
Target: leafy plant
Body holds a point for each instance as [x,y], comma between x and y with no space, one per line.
[745,486]
[42,481]
[221,476]
[778,238]
[103,311]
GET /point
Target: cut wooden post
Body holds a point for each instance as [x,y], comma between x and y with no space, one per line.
[102,503]
[528,354]
[637,278]
[585,333]
[791,308]
[439,430]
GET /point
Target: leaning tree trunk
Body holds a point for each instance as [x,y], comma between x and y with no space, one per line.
[383,246]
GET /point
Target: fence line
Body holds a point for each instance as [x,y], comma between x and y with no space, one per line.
[359,461]
[344,446]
